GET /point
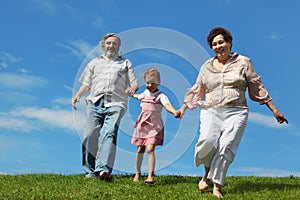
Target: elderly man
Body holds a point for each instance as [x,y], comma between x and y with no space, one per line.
[110,79]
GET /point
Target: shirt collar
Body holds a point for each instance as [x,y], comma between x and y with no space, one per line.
[116,57]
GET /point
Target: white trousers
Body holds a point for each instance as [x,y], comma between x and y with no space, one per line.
[221,130]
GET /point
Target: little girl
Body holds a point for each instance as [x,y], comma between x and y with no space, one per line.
[149,128]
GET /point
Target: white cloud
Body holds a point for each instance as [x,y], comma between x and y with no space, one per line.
[83,46]
[6,58]
[15,124]
[68,88]
[53,118]
[63,101]
[53,9]
[28,119]
[14,97]
[78,48]
[16,81]
[24,71]
[10,58]
[3,65]
[265,120]
[274,36]
[98,22]
[46,7]
[74,13]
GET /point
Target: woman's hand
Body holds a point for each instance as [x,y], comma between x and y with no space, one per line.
[280,117]
[277,114]
[180,112]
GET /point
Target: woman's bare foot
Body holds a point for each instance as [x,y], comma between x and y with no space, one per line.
[217,192]
[203,184]
[149,180]
[137,177]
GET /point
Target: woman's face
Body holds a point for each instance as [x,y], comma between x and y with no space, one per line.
[220,47]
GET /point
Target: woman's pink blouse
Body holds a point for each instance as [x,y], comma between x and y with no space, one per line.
[226,88]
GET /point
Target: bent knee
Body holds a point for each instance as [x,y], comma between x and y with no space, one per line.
[141,149]
[150,148]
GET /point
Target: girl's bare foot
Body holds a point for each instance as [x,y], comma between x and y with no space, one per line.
[217,191]
[203,184]
[137,177]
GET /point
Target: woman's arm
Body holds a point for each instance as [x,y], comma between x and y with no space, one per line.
[277,114]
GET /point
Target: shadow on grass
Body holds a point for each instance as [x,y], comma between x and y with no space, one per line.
[165,179]
[176,179]
[257,185]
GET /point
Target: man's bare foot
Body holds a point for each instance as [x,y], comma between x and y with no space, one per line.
[103,175]
[217,191]
[137,177]
[203,184]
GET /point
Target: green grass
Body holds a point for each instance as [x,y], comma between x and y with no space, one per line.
[53,186]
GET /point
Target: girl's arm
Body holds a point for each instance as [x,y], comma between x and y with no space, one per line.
[180,111]
[136,96]
[170,108]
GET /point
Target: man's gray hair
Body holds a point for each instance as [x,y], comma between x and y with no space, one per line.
[108,35]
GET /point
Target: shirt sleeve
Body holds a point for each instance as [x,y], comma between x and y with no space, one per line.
[195,93]
[130,73]
[87,75]
[163,99]
[141,96]
[257,91]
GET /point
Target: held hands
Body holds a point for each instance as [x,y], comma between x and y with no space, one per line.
[180,112]
[177,114]
[132,89]
[129,91]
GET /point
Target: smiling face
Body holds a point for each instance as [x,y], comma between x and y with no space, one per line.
[111,46]
[152,79]
[152,87]
[220,47]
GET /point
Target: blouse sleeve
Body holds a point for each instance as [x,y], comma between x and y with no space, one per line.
[257,91]
[195,94]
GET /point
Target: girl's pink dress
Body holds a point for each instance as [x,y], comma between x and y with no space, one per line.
[149,127]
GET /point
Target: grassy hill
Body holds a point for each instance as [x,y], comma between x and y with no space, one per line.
[54,186]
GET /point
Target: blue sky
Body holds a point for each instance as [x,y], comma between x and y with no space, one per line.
[45,44]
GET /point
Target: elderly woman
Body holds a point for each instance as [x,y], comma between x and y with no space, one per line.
[220,91]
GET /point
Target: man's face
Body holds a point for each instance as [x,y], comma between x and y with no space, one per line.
[111,46]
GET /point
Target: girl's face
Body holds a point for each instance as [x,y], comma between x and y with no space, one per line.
[152,87]
[220,47]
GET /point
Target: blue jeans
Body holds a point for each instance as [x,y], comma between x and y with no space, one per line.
[98,157]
